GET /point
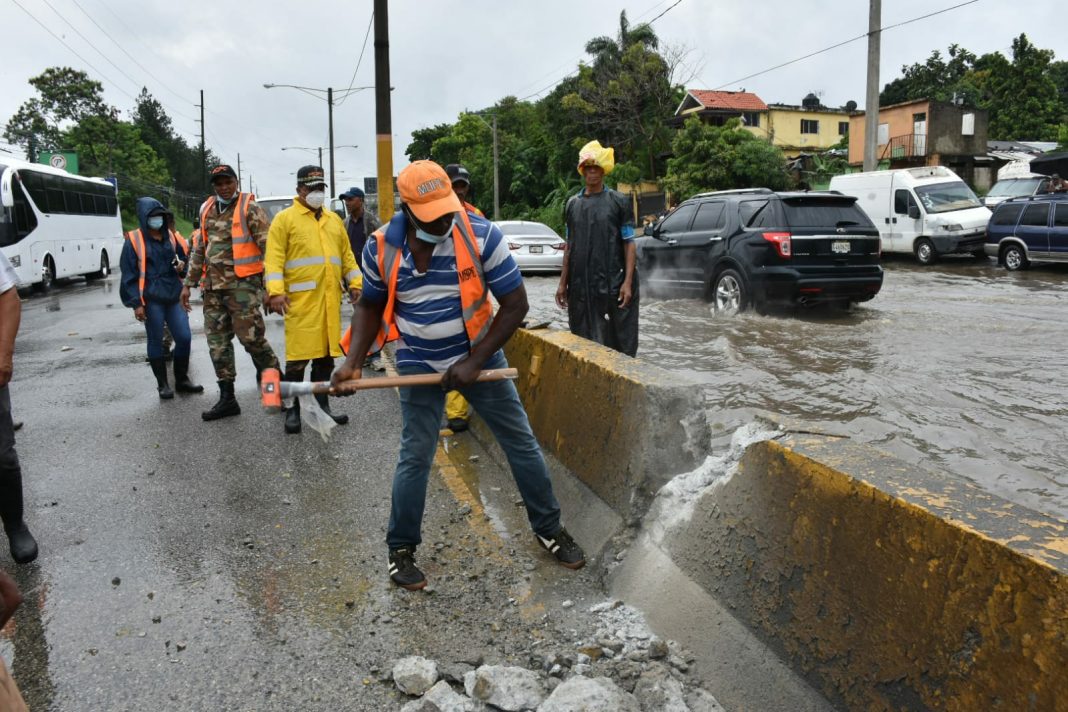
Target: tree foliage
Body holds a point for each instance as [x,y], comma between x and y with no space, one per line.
[65,96]
[709,157]
[1026,97]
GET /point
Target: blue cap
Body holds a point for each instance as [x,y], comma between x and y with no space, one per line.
[352,193]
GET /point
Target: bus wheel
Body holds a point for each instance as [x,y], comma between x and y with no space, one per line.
[105,268]
[48,274]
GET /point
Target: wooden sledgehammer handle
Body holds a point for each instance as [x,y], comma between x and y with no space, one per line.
[428,379]
[273,389]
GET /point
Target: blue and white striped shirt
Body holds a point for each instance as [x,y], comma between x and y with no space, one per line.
[427,308]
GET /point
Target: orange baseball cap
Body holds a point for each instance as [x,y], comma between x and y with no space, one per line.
[425,188]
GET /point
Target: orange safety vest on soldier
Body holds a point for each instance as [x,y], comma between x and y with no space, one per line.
[248,260]
[474,297]
[137,241]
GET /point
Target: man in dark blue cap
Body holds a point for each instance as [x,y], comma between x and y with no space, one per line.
[359,223]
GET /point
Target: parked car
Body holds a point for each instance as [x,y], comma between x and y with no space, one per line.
[1015,180]
[1026,230]
[274,204]
[926,211]
[535,246]
[741,248]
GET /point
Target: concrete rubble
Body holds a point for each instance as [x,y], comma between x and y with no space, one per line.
[620,666]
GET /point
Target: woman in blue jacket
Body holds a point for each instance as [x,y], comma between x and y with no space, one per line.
[154,260]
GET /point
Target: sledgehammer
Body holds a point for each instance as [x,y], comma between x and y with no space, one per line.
[273,389]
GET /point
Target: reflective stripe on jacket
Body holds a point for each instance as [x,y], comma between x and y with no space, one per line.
[474,296]
[248,259]
[137,241]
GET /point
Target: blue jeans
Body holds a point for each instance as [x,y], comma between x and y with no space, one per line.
[156,313]
[498,404]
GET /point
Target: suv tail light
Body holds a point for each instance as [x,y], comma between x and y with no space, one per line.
[781,240]
[559,246]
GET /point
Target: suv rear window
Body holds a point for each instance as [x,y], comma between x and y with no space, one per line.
[821,212]
[754,213]
[1007,215]
[1036,216]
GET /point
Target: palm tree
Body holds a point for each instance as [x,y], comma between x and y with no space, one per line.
[608,51]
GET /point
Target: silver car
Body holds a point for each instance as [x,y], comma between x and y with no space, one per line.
[534,246]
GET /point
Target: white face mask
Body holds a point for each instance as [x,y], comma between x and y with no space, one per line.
[315,199]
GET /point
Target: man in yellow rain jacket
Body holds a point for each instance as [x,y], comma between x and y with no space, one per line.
[308,258]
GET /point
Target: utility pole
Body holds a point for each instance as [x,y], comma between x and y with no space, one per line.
[871,102]
[383,113]
[496,176]
[203,147]
[239,171]
[330,114]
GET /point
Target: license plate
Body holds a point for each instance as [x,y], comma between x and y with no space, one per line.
[840,247]
[535,249]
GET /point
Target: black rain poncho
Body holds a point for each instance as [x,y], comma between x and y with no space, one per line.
[596,270]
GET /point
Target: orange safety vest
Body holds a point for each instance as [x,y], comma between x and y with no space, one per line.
[472,209]
[474,297]
[137,241]
[248,260]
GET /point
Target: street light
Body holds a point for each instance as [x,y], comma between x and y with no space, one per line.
[329,91]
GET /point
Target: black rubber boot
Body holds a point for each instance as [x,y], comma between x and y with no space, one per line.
[21,543]
[159,369]
[321,371]
[182,384]
[293,418]
[227,404]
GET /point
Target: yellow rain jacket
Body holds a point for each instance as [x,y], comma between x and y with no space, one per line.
[308,260]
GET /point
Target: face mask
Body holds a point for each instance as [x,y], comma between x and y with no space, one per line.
[225,201]
[155,223]
[315,199]
[431,237]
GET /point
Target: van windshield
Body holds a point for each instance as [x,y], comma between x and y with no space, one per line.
[946,197]
[1013,187]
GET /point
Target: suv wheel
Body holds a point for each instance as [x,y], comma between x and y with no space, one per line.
[925,251]
[1014,258]
[729,293]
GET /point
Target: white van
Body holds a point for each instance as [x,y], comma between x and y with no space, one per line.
[925,211]
[1015,180]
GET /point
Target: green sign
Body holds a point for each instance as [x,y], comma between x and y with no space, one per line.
[64,160]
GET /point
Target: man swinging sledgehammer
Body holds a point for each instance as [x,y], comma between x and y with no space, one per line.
[427,279]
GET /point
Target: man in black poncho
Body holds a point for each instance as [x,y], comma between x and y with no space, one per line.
[598,283]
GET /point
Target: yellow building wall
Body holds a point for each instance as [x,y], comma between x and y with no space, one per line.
[783,126]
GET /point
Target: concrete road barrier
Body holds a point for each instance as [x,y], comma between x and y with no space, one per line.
[621,425]
[886,586]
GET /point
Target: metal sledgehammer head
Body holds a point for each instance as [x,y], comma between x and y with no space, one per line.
[271,389]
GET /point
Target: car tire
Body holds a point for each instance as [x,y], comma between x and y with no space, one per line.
[48,275]
[1014,258]
[729,293]
[105,268]
[925,251]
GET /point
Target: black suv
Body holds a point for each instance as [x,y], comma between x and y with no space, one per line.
[741,248]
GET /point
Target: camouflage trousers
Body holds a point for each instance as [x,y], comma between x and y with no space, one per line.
[235,312]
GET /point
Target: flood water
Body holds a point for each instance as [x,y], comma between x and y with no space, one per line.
[961,367]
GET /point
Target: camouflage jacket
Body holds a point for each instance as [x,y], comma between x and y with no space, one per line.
[217,251]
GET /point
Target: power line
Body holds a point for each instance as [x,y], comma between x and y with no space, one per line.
[358,61]
[132,58]
[579,58]
[91,45]
[64,43]
[840,44]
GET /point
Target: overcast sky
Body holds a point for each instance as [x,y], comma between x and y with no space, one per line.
[449,56]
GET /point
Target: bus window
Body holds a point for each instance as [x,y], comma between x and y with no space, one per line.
[21,214]
[54,195]
[33,183]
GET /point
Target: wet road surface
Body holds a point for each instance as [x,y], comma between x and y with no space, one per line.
[961,367]
[194,566]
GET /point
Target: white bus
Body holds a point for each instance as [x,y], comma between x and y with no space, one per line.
[54,224]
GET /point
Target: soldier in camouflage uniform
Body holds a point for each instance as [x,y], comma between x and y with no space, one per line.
[229,271]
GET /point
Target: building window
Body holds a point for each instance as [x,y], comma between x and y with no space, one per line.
[843,128]
[810,126]
[883,137]
[967,127]
[751,118]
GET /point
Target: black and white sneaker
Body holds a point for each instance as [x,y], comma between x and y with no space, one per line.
[403,571]
[564,548]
